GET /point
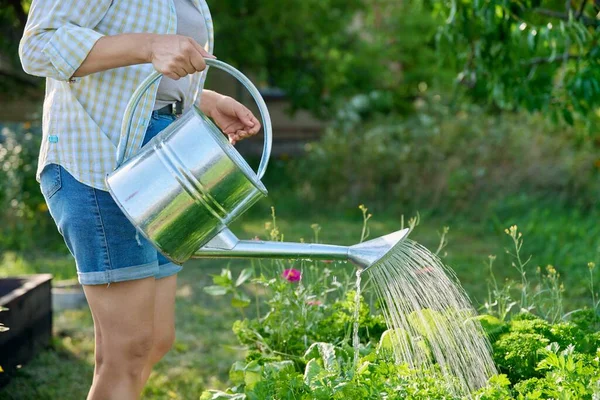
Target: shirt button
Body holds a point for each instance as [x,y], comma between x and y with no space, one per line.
[53,139]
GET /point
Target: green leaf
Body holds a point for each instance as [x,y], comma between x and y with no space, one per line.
[324,351]
[244,276]
[219,395]
[311,372]
[216,290]
[391,339]
[279,366]
[568,116]
[240,300]
[236,373]
[252,374]
[491,325]
[224,279]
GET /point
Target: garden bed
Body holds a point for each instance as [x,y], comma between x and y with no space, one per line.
[29,319]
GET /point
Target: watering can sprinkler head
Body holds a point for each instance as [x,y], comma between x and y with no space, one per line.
[363,255]
[367,254]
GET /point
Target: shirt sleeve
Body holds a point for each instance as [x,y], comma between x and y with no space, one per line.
[58,36]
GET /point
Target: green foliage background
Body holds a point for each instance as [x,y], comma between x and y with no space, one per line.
[479,114]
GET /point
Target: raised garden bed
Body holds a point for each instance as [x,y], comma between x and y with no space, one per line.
[29,319]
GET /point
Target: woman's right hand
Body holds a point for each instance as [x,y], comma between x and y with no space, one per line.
[176,56]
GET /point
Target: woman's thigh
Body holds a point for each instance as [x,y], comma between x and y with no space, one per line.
[124,313]
[104,243]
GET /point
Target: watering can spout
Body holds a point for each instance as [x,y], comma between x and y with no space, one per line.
[366,254]
[363,255]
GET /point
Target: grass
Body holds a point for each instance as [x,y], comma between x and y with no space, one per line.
[205,346]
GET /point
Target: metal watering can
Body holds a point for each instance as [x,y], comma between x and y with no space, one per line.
[186,185]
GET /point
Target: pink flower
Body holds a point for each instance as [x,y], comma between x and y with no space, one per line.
[313,302]
[292,275]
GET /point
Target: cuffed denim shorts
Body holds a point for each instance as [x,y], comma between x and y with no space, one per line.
[106,246]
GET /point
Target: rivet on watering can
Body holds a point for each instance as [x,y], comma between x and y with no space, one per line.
[53,139]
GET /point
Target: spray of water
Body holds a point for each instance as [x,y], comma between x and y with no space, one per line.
[355,337]
[431,317]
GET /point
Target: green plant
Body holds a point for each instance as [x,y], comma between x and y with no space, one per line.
[224,284]
[26,223]
[296,352]
[567,375]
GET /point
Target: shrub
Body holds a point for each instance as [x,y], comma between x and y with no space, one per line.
[446,157]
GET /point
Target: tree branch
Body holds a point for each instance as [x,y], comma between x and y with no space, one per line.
[548,60]
[565,17]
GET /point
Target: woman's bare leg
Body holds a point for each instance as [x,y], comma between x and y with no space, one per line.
[164,322]
[97,350]
[124,314]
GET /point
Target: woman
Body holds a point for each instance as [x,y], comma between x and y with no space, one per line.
[94,54]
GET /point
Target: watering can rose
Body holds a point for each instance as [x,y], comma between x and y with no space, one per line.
[292,275]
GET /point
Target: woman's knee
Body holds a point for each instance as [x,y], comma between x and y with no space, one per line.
[163,342]
[128,354]
[139,345]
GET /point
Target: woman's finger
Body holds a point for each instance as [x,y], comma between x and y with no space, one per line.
[188,68]
[203,52]
[197,61]
[244,115]
[256,126]
[176,72]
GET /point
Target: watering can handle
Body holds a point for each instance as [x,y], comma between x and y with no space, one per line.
[262,107]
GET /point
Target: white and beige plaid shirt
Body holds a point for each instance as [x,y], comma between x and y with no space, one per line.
[82,116]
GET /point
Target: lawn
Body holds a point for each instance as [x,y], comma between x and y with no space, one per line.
[205,346]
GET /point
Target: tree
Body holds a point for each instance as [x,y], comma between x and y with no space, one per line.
[525,54]
[13,16]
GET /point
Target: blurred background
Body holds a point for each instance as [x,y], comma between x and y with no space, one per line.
[473,115]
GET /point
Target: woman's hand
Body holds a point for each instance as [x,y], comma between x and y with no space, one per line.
[176,56]
[232,117]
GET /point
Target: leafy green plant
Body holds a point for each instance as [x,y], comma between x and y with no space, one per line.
[567,375]
[224,284]
[300,352]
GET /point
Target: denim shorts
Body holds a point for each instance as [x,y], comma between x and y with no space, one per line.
[106,246]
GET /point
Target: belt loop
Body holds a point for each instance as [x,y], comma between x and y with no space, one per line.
[178,108]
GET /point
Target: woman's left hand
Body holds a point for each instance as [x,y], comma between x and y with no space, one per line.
[234,119]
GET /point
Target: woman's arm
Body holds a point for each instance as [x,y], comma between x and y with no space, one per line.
[173,55]
[58,36]
[59,42]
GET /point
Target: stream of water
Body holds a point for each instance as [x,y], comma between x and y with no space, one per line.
[431,317]
[355,338]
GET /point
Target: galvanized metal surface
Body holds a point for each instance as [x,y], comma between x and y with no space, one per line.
[188,183]
[363,255]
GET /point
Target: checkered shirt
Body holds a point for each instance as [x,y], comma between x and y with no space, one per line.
[82,117]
